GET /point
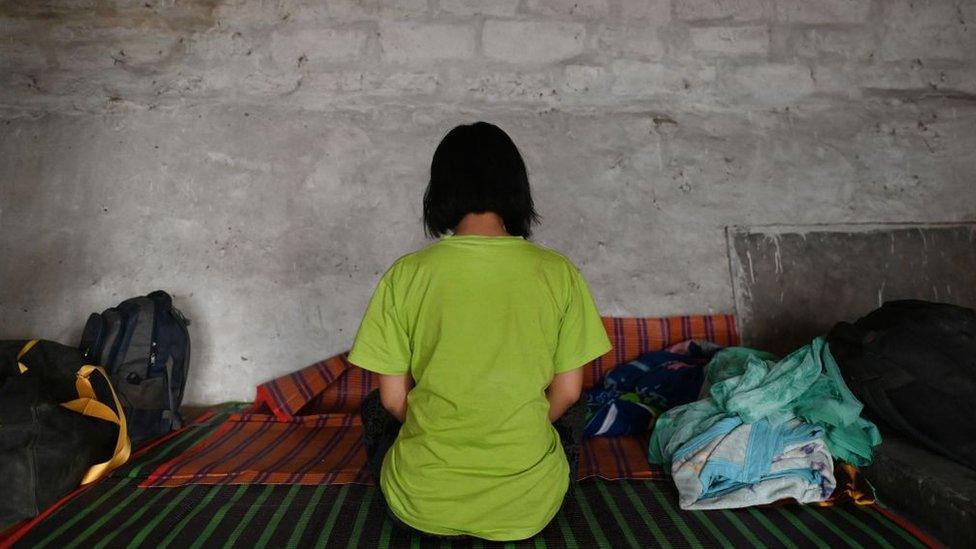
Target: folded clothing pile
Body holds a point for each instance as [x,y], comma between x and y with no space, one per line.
[742,464]
[766,430]
[634,394]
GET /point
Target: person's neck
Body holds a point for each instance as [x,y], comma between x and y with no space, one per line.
[483,224]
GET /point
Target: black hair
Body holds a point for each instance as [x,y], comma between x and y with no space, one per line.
[477,168]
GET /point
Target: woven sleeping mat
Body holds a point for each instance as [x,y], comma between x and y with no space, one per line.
[597,513]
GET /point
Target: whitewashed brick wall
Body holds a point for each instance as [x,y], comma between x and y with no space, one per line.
[264,159]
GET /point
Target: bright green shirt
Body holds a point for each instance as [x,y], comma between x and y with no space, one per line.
[482,324]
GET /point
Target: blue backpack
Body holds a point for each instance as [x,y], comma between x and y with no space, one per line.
[144,345]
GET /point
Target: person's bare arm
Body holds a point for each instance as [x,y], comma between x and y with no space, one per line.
[563,392]
[393,394]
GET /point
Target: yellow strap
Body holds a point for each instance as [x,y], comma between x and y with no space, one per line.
[84,387]
[854,489]
[87,404]
[91,408]
[27,347]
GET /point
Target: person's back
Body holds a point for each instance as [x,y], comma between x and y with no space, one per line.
[479,326]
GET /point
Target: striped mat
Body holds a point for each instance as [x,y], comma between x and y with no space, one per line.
[311,450]
[304,427]
[597,513]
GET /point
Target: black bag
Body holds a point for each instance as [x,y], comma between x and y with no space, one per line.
[145,347]
[913,364]
[60,426]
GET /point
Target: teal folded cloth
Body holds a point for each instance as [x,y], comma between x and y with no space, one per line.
[751,385]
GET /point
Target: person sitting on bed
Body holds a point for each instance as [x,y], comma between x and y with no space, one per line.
[478,340]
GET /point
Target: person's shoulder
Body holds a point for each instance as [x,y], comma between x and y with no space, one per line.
[410,262]
[553,258]
[419,256]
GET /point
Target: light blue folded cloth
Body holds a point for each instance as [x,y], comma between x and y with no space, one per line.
[733,464]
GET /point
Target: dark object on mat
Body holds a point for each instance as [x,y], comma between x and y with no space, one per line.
[45,449]
[145,346]
[913,364]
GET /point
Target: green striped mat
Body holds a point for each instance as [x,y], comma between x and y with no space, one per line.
[115,513]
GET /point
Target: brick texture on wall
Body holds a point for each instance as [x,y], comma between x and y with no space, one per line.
[264,160]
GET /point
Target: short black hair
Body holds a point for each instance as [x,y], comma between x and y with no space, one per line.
[477,168]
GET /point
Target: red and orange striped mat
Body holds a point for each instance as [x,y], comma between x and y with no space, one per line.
[304,427]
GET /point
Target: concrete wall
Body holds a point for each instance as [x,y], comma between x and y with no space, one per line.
[793,283]
[264,160]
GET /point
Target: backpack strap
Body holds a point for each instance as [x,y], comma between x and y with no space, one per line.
[27,347]
[87,404]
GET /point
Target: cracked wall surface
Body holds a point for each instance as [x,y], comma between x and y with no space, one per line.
[264,160]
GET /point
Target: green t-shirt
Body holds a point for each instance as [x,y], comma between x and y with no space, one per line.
[482,324]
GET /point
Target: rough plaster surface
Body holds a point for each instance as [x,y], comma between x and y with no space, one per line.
[264,160]
[793,283]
